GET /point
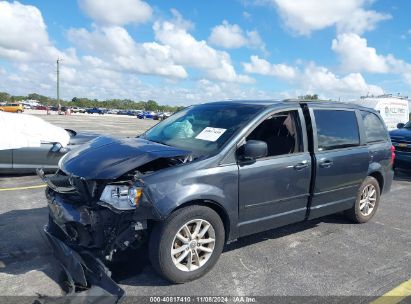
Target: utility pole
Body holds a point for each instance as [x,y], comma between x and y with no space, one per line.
[58,81]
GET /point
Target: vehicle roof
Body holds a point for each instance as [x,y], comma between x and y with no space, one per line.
[276,103]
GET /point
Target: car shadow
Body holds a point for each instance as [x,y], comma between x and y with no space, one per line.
[148,277]
[280,232]
[24,248]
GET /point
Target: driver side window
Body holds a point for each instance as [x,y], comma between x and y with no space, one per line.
[281,132]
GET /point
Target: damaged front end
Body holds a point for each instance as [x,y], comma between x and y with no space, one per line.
[92,220]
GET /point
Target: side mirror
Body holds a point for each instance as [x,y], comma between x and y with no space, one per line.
[253,149]
[400,125]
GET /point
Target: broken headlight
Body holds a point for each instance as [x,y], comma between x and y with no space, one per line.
[122,197]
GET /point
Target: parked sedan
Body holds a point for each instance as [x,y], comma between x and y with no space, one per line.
[28,142]
[100,111]
[146,115]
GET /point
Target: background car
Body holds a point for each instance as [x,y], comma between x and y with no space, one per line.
[12,108]
[112,111]
[127,112]
[100,111]
[28,142]
[401,140]
[56,108]
[76,110]
[161,115]
[146,115]
[122,112]
[40,107]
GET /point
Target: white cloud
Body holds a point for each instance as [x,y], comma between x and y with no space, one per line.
[356,55]
[317,78]
[23,35]
[247,15]
[121,52]
[174,49]
[119,12]
[313,79]
[112,61]
[187,51]
[305,16]
[86,80]
[231,36]
[263,67]
[360,21]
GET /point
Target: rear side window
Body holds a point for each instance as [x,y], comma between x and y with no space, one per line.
[374,128]
[336,129]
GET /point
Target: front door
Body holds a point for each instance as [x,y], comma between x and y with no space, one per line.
[274,190]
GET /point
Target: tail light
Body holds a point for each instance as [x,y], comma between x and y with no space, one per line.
[392,154]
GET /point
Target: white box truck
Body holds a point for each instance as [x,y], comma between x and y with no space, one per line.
[393,109]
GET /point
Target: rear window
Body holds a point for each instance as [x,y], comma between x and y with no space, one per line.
[374,128]
[336,129]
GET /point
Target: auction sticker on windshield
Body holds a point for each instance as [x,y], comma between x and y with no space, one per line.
[210,134]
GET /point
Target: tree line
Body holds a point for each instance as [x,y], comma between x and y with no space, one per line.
[121,104]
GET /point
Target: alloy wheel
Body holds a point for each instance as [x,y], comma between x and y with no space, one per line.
[368,199]
[193,245]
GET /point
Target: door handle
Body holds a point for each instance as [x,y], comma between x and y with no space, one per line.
[302,165]
[326,163]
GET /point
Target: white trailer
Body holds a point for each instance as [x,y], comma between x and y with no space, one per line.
[393,109]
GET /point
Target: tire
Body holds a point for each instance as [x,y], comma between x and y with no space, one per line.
[19,111]
[360,212]
[163,240]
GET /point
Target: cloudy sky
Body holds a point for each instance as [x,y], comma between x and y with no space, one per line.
[187,51]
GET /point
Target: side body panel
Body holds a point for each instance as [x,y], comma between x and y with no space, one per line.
[6,159]
[380,162]
[217,185]
[36,157]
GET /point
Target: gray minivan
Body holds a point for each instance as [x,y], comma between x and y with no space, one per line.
[210,174]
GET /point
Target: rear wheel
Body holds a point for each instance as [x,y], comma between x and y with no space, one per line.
[368,198]
[188,244]
[19,111]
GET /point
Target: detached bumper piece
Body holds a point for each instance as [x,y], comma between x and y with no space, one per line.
[85,272]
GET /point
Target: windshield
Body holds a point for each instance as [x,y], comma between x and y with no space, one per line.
[203,129]
[408,125]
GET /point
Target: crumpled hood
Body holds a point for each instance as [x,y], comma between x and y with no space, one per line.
[109,158]
[404,134]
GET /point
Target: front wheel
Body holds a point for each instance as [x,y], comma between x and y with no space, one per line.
[188,244]
[366,204]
